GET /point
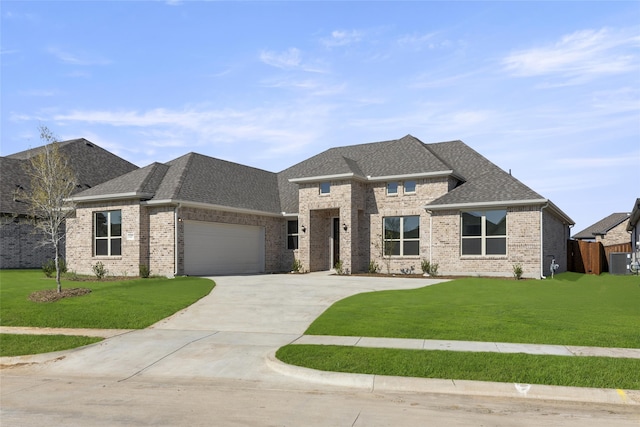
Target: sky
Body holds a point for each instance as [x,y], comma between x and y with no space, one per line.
[549,90]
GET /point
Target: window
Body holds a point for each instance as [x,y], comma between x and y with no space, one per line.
[409,187]
[392,188]
[292,234]
[108,233]
[325,187]
[402,235]
[484,233]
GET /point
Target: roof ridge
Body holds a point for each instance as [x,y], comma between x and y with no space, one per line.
[151,174]
[183,173]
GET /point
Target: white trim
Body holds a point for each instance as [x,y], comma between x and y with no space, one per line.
[210,206]
[506,203]
[410,175]
[369,178]
[325,177]
[113,196]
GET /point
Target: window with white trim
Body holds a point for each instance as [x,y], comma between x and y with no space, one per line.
[484,232]
[325,188]
[401,235]
[392,188]
[107,233]
[292,234]
[409,187]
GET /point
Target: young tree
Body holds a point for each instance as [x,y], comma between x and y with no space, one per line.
[52,183]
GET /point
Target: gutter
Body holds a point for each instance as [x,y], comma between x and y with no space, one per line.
[176,221]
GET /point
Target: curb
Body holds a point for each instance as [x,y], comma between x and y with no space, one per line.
[374,383]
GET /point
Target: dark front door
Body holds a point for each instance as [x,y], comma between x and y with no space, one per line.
[335,242]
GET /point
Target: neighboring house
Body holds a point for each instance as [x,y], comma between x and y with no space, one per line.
[402,201]
[611,230]
[633,227]
[19,244]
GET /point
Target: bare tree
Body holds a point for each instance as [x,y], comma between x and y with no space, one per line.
[52,183]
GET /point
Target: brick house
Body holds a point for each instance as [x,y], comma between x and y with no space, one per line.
[19,243]
[611,230]
[399,201]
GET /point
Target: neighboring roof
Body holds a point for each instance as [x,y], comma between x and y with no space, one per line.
[635,216]
[196,179]
[91,164]
[601,227]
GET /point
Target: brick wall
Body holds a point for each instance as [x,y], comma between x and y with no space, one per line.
[20,244]
[616,236]
[80,251]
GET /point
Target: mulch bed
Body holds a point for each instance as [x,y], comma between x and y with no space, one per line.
[52,295]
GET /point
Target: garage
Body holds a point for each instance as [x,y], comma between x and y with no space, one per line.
[216,248]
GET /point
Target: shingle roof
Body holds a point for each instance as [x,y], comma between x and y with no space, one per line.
[202,179]
[601,227]
[484,181]
[91,164]
[199,179]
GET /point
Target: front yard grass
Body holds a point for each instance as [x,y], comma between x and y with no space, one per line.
[18,345]
[572,309]
[123,304]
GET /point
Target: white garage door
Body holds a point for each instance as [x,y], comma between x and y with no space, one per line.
[216,248]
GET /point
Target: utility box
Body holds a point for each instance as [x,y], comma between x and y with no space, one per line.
[620,263]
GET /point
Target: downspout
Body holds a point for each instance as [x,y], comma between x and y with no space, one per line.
[542,276]
[176,221]
[430,235]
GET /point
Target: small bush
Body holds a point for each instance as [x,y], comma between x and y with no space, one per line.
[374,268]
[338,268]
[430,268]
[296,267]
[144,271]
[517,271]
[73,276]
[49,267]
[99,270]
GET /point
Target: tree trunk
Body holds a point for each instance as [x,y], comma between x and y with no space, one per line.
[57,259]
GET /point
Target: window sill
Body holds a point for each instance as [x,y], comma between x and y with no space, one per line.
[107,257]
[484,257]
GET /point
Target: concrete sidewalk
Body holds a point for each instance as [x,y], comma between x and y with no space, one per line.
[473,346]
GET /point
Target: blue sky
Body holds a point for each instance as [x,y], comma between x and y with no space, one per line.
[550,90]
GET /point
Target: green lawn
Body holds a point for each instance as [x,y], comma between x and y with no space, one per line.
[18,345]
[599,372]
[127,304]
[572,309]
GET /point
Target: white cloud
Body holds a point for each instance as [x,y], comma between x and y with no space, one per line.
[287,59]
[422,41]
[579,56]
[342,38]
[77,59]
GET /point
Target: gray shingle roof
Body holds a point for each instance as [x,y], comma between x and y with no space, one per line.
[199,179]
[603,226]
[202,179]
[484,181]
[91,164]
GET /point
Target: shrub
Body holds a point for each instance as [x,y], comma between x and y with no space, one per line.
[430,268]
[339,269]
[99,270]
[517,271]
[49,267]
[296,267]
[144,271]
[374,268]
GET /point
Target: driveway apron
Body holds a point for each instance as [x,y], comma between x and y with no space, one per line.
[227,334]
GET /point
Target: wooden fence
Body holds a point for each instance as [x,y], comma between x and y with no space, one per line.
[591,257]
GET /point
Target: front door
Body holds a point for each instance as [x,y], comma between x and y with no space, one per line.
[335,242]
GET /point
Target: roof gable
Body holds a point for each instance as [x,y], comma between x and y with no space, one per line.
[603,226]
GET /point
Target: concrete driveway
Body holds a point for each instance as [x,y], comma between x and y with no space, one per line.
[227,334]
